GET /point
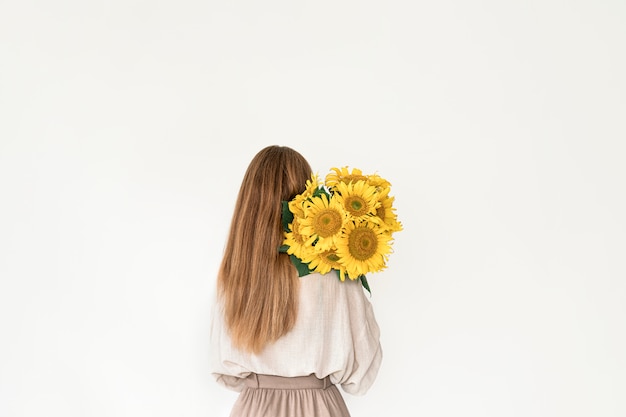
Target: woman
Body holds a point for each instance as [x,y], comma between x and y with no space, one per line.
[285,342]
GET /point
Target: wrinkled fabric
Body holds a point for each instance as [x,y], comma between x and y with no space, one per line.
[289,397]
[336,335]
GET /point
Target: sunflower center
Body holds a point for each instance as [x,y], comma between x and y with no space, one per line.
[331,257]
[356,206]
[362,243]
[380,212]
[327,222]
[295,227]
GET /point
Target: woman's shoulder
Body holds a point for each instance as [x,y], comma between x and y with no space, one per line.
[330,279]
[330,286]
[343,303]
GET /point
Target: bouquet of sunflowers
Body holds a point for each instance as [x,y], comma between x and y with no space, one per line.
[345,224]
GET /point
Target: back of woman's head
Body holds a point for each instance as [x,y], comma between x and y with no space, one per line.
[275,173]
[259,285]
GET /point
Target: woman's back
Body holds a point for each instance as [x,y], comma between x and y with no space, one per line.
[335,335]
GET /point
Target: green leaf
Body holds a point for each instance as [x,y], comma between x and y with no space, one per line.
[287,216]
[319,191]
[283,248]
[303,269]
[365,284]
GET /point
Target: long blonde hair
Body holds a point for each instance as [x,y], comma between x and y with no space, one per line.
[258,285]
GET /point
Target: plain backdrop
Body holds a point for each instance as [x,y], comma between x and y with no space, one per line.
[125,130]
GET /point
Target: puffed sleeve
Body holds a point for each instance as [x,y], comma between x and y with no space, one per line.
[224,369]
[366,350]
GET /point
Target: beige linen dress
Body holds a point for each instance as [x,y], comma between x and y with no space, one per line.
[335,342]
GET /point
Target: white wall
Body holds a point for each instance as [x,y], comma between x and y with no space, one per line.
[125,128]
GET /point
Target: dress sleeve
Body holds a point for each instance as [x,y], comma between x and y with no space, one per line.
[225,371]
[367,349]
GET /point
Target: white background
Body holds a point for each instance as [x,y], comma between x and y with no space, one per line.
[125,129]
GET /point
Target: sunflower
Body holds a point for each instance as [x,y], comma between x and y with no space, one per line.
[343,175]
[363,248]
[386,212]
[297,203]
[323,221]
[295,241]
[378,182]
[359,199]
[324,262]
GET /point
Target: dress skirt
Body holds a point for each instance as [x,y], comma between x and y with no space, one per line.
[275,396]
